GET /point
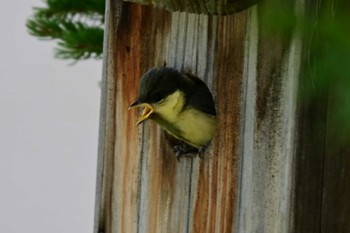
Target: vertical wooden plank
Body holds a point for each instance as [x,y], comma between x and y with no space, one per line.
[268,133]
[105,168]
[126,164]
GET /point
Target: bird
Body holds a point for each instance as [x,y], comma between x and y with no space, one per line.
[181,104]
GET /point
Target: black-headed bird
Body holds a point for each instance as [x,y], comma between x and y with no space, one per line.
[180,103]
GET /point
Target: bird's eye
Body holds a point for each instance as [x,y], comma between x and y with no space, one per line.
[157,97]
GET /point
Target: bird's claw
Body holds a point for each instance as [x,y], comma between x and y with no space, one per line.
[201,150]
[183,150]
[180,150]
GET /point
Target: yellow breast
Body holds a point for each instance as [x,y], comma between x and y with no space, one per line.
[197,128]
[190,125]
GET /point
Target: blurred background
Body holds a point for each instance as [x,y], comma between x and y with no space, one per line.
[49,113]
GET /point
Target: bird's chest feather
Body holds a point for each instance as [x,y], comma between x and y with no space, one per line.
[196,127]
[189,124]
[171,107]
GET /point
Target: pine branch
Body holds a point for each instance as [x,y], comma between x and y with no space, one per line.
[64,8]
[80,41]
[45,28]
[76,25]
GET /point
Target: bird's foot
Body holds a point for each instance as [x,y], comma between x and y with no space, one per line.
[201,150]
[184,150]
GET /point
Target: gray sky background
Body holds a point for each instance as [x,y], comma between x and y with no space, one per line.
[49,113]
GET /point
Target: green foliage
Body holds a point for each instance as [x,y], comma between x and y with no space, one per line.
[330,66]
[77,26]
[64,7]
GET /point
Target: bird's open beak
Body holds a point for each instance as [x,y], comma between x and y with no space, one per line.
[147,110]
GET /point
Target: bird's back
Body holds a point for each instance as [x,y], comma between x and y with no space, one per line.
[200,97]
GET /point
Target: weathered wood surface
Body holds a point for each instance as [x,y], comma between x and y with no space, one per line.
[254,178]
[149,190]
[107,128]
[269,113]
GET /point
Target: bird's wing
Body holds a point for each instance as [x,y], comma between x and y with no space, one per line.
[200,97]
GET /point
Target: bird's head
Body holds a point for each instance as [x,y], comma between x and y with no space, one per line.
[162,92]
